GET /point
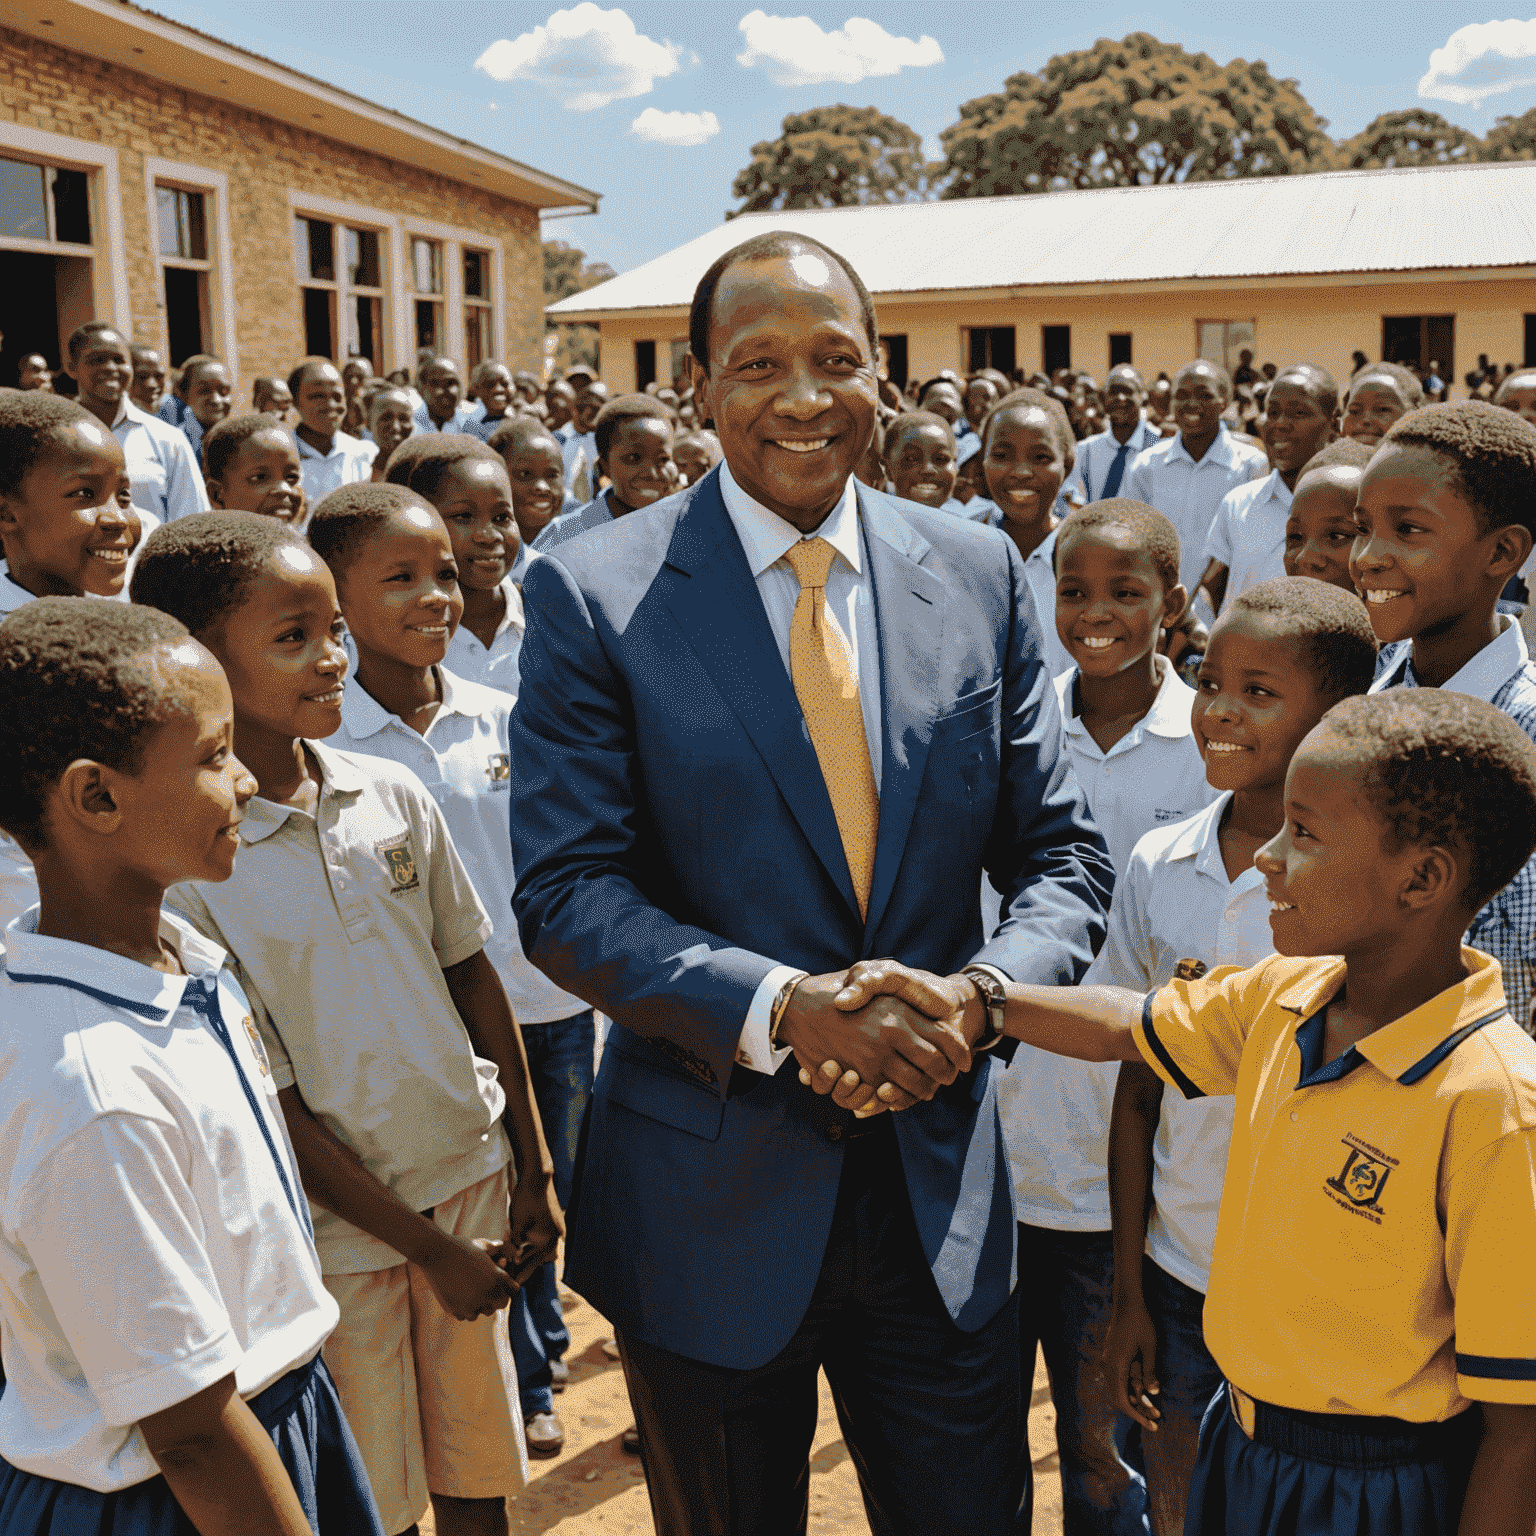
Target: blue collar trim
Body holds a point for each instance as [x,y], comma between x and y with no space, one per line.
[143,1010]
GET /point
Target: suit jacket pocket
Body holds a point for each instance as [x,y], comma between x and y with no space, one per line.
[656,1091]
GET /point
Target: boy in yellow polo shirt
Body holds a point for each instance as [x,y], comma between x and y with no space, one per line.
[1372,1302]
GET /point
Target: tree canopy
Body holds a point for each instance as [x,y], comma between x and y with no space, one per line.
[567,271]
[1512,138]
[1133,113]
[831,157]
[1414,137]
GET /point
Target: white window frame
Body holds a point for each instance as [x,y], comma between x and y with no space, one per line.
[394,319]
[454,239]
[109,268]
[479,302]
[220,265]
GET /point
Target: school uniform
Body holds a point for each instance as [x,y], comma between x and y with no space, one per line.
[1248,533]
[163,477]
[458,422]
[476,425]
[145,1099]
[1188,492]
[579,453]
[1040,575]
[1093,476]
[350,462]
[1173,903]
[597,513]
[342,916]
[462,761]
[1501,674]
[494,665]
[1374,1272]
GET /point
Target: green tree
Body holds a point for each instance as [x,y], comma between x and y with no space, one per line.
[1512,138]
[831,157]
[1133,113]
[567,271]
[1414,137]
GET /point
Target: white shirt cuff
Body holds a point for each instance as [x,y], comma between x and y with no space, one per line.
[752,1049]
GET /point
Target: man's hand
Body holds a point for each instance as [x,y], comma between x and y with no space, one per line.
[939,1010]
[537,1228]
[1130,1348]
[883,1039]
[465,1278]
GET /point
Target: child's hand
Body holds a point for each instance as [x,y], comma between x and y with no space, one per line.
[537,1228]
[1130,1348]
[466,1280]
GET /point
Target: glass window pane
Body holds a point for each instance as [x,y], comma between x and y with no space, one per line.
[168,219]
[1213,341]
[426,266]
[362,247]
[71,206]
[426,324]
[194,227]
[475,275]
[317,250]
[477,334]
[23,213]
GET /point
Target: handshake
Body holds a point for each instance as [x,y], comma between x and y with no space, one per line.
[881,1035]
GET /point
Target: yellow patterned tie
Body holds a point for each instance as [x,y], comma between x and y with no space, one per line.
[827,686]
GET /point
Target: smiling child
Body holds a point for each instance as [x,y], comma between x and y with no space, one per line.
[252,465]
[920,458]
[1320,528]
[1378,396]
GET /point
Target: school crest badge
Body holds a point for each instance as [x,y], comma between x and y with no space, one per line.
[400,860]
[500,769]
[1362,1181]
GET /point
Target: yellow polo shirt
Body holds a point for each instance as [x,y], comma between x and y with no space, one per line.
[1376,1246]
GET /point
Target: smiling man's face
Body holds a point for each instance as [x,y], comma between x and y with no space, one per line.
[791,382]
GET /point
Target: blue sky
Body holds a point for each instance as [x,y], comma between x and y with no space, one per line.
[557,106]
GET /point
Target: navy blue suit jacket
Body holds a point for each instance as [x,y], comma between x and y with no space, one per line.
[674,841]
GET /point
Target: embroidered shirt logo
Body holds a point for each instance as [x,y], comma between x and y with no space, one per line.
[500,769]
[256,1045]
[400,860]
[1363,1179]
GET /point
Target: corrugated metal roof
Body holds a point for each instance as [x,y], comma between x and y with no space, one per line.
[1414,219]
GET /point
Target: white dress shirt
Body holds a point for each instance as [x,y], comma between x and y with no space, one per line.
[1096,455]
[1248,533]
[349,462]
[850,607]
[163,476]
[1188,493]
[1040,576]
[458,422]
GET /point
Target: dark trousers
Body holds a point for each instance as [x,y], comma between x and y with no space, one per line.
[1065,1290]
[932,1417]
[560,1070]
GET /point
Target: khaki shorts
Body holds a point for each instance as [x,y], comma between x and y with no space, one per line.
[432,1401]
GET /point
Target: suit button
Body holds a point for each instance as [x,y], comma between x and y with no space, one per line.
[834,1133]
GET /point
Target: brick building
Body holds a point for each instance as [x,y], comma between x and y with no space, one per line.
[206,199]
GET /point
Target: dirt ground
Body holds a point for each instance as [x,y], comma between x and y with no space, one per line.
[593,1489]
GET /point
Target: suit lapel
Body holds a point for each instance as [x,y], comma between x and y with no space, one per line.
[909,617]
[719,611]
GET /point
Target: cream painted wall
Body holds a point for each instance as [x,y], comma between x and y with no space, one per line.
[1294,323]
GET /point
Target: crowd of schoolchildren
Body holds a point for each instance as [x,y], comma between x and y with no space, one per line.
[315,1094]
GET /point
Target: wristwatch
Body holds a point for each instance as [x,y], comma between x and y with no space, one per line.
[994,999]
[780,1003]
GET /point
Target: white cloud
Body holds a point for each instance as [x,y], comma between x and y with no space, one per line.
[679,129]
[795,51]
[586,56]
[1481,60]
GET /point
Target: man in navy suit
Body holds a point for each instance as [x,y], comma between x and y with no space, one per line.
[696,858]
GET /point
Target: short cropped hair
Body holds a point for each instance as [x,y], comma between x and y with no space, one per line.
[199,568]
[1492,453]
[1319,381]
[766,247]
[1223,378]
[73,670]
[1347,452]
[83,333]
[421,461]
[910,421]
[1406,380]
[307,365]
[1438,767]
[1155,534]
[519,429]
[264,384]
[1521,378]
[30,422]
[624,408]
[190,369]
[349,517]
[1331,624]
[138,349]
[229,436]
[1061,424]
[481,370]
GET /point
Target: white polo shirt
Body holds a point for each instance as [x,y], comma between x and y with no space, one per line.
[1096,457]
[1174,902]
[152,1232]
[1040,577]
[1055,1111]
[462,761]
[342,923]
[1248,533]
[1188,493]
[349,462]
[493,666]
[163,476]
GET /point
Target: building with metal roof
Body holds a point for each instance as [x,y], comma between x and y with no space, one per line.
[1419,264]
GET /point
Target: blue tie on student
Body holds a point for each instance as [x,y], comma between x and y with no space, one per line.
[1116,470]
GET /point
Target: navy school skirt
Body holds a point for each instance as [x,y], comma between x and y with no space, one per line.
[302,1414]
[1328,1474]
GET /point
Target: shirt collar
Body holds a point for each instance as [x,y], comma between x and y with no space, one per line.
[12,594]
[1046,549]
[1273,488]
[1482,677]
[1409,1048]
[767,537]
[1199,838]
[1168,716]
[337,777]
[1220,452]
[150,995]
[363,715]
[128,411]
